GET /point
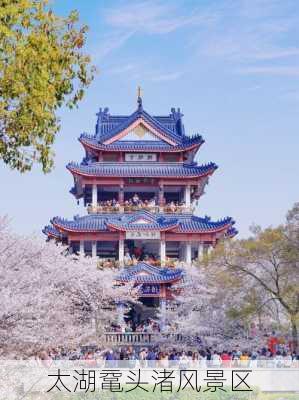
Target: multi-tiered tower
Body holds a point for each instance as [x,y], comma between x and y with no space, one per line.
[140,184]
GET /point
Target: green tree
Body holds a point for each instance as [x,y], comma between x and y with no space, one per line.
[266,263]
[42,68]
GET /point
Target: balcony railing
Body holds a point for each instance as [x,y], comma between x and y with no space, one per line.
[169,262]
[141,338]
[173,209]
[132,208]
[147,338]
[104,209]
[113,263]
[168,209]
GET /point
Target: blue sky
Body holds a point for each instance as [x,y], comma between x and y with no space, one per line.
[233,68]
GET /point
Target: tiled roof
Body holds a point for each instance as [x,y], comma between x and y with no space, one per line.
[179,224]
[148,222]
[51,231]
[169,126]
[88,223]
[198,224]
[150,169]
[231,232]
[142,145]
[146,273]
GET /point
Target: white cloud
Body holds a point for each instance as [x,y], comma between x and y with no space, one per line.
[167,77]
[152,17]
[240,32]
[121,69]
[275,54]
[147,17]
[246,47]
[258,32]
[108,43]
[271,70]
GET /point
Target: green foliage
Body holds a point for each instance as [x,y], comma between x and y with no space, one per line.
[42,68]
[187,394]
[182,395]
[262,271]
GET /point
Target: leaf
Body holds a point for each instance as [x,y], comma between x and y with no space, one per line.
[42,68]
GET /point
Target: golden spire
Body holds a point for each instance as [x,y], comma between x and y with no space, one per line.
[139,99]
[139,91]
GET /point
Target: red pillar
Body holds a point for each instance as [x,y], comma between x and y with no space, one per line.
[161,195]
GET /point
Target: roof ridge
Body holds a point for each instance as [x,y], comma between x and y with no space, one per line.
[139,113]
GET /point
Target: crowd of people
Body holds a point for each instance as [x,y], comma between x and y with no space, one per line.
[104,206]
[175,207]
[203,357]
[134,204]
[138,254]
[131,258]
[147,326]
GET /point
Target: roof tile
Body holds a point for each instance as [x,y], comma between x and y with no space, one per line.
[150,169]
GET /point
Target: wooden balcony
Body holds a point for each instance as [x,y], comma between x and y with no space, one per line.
[104,209]
[168,209]
[140,338]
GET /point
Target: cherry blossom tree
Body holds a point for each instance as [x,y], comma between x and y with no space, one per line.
[196,311]
[265,264]
[208,309]
[51,298]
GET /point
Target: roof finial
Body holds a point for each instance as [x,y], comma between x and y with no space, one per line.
[139,99]
[139,91]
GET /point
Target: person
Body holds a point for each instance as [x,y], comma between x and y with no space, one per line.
[151,259]
[110,358]
[128,328]
[138,252]
[163,359]
[273,343]
[140,328]
[244,359]
[45,358]
[253,360]
[209,354]
[287,359]
[152,203]
[90,359]
[151,357]
[147,326]
[278,360]
[172,206]
[135,199]
[173,358]
[226,359]
[194,359]
[203,360]
[134,260]
[184,360]
[99,357]
[132,357]
[216,359]
[108,263]
[128,258]
[142,357]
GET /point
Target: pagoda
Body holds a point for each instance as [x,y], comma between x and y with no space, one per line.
[140,185]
